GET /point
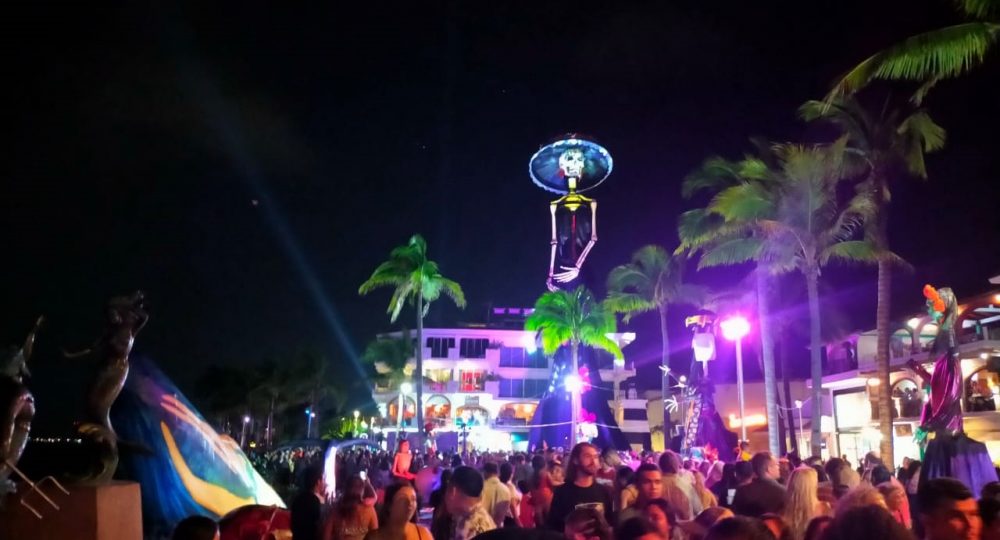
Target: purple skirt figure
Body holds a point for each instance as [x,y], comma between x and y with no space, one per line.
[951,453]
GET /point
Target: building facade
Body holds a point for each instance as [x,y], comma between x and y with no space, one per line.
[852,388]
[481,385]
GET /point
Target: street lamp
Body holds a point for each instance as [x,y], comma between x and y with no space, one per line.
[798,405]
[734,328]
[573,385]
[310,414]
[243,434]
[404,388]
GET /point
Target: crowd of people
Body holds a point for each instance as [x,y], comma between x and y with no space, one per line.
[592,495]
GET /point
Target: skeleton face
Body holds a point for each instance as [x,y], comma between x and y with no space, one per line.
[571,163]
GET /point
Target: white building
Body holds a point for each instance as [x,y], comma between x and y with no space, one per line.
[493,378]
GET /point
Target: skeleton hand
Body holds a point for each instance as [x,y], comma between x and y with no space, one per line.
[551,286]
[571,273]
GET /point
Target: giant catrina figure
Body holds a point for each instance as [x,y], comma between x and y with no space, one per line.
[950,453]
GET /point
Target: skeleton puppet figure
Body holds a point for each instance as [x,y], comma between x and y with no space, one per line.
[568,167]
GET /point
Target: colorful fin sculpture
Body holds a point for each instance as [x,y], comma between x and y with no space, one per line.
[191,469]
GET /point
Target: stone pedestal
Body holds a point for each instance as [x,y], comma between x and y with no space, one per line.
[106,512]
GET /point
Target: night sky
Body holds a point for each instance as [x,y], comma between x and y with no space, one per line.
[248,165]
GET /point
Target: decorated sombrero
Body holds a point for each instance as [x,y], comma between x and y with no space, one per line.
[547,174]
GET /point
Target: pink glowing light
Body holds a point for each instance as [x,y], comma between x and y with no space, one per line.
[735,327]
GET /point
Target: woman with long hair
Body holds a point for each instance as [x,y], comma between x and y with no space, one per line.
[351,518]
[801,502]
[398,518]
[708,498]
[728,482]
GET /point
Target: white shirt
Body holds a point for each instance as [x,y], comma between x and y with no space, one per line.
[496,499]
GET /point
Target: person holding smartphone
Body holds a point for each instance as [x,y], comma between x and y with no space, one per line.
[580,488]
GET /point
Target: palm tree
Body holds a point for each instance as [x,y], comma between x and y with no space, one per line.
[801,226]
[929,57]
[891,145]
[417,279]
[387,359]
[702,230]
[573,317]
[652,281]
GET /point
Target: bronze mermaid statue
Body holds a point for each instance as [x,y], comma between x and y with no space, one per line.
[125,318]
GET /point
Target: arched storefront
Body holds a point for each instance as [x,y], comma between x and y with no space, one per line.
[516,414]
[409,411]
[907,398]
[473,415]
[437,410]
[981,389]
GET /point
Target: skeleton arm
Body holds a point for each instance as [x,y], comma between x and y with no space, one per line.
[571,273]
[552,254]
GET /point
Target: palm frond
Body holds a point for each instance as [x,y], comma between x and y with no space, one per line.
[729,252]
[850,251]
[980,9]
[743,202]
[629,277]
[938,54]
[715,173]
[628,304]
[845,113]
[697,227]
[603,342]
[919,134]
[454,291]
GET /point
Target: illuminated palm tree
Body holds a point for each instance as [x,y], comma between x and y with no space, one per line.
[576,318]
[701,230]
[892,147]
[800,225]
[652,281]
[416,279]
[929,57]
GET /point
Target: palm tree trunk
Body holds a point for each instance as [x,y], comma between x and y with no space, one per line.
[665,377]
[767,354]
[418,375]
[815,359]
[882,340]
[575,396]
[789,414]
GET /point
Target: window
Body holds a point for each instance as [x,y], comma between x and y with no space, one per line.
[439,346]
[512,357]
[634,414]
[473,348]
[518,357]
[523,388]
[471,381]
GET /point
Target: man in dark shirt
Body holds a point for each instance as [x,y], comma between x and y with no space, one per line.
[763,495]
[308,504]
[580,488]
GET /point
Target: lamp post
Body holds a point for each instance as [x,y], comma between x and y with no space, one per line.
[404,389]
[310,414]
[573,386]
[734,328]
[798,405]
[243,434]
